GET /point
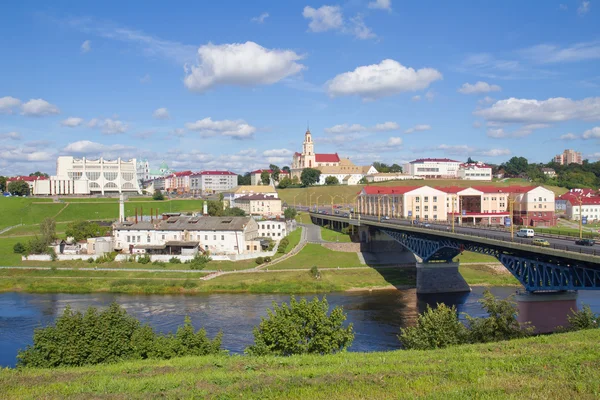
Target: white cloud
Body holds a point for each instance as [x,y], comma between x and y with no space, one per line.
[429,96]
[465,150]
[384,79]
[478,88]
[261,18]
[583,8]
[486,100]
[355,128]
[237,129]
[72,122]
[11,135]
[359,29]
[593,133]
[179,132]
[496,133]
[278,153]
[20,154]
[161,113]
[8,104]
[476,124]
[486,65]
[145,79]
[569,136]
[145,134]
[542,111]
[493,152]
[112,127]
[381,4]
[86,46]
[88,147]
[394,142]
[39,108]
[324,18]
[243,64]
[416,98]
[524,130]
[418,128]
[93,123]
[548,53]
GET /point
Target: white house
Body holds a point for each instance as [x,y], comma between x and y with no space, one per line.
[589,209]
[476,171]
[275,229]
[433,168]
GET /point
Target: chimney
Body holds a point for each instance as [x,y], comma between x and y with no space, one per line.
[205,209]
[121,208]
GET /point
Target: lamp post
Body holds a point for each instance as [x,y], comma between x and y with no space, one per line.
[332,197]
[580,201]
[512,229]
[317,202]
[295,199]
[309,200]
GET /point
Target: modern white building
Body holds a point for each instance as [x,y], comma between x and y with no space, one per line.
[390,176]
[582,207]
[433,168]
[83,176]
[476,171]
[208,182]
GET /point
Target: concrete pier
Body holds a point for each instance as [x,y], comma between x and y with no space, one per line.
[546,311]
[440,278]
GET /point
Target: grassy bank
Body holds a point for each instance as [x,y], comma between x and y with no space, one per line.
[471,257]
[315,254]
[334,236]
[560,366]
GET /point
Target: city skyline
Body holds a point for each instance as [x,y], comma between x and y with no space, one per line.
[234,87]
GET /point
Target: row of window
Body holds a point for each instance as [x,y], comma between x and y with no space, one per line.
[268,226]
[269,234]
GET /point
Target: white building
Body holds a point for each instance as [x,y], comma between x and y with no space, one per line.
[82,176]
[433,168]
[476,171]
[390,176]
[275,229]
[143,170]
[208,182]
[586,208]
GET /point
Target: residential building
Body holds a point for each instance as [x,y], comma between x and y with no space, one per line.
[346,172]
[274,229]
[178,182]
[549,172]
[83,176]
[183,235]
[230,196]
[30,180]
[255,177]
[582,204]
[390,176]
[476,171]
[568,157]
[260,204]
[433,168]
[209,182]
[533,206]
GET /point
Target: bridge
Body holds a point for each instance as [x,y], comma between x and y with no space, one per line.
[551,276]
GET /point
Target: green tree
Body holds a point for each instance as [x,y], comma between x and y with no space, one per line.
[48,230]
[234,212]
[286,169]
[284,183]
[301,327]
[436,328]
[363,181]
[199,261]
[40,174]
[275,171]
[37,245]
[82,230]
[215,208]
[158,195]
[18,188]
[295,180]
[265,177]
[516,166]
[309,176]
[290,213]
[2,183]
[19,248]
[583,319]
[244,180]
[395,168]
[332,180]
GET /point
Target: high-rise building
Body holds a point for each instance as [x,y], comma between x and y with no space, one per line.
[568,157]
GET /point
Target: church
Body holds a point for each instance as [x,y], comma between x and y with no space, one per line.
[329,164]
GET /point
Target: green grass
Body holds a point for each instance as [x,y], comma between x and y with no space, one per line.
[560,366]
[315,254]
[294,238]
[33,229]
[17,210]
[484,275]
[334,236]
[565,231]
[304,218]
[472,257]
[7,255]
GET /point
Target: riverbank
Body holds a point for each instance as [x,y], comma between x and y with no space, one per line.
[558,366]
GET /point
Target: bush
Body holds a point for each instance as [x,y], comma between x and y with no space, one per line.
[37,246]
[19,248]
[314,272]
[283,244]
[259,260]
[145,259]
[199,261]
[158,195]
[174,260]
[301,328]
[109,336]
[90,260]
[583,319]
[52,252]
[160,263]
[436,328]
[267,259]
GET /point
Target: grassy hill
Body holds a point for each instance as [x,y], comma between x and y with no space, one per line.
[559,366]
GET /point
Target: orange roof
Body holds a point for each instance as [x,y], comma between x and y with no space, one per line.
[389,189]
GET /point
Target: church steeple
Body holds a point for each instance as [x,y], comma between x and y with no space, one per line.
[308,147]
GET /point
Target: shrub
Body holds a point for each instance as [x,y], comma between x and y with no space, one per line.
[145,259]
[37,246]
[259,260]
[90,260]
[158,195]
[174,260]
[301,328]
[189,284]
[314,272]
[199,261]
[583,319]
[159,263]
[52,252]
[19,248]
[267,259]
[436,328]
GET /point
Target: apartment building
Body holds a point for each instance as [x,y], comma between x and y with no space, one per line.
[476,171]
[433,168]
[568,157]
[259,204]
[208,182]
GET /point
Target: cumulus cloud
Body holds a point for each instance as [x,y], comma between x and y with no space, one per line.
[549,53]
[237,129]
[243,64]
[178,132]
[593,133]
[355,128]
[464,150]
[416,98]
[478,88]
[39,108]
[161,113]
[20,154]
[330,18]
[89,147]
[11,136]
[277,153]
[72,122]
[556,109]
[493,152]
[418,128]
[108,126]
[86,46]
[568,136]
[384,79]
[476,124]
[261,18]
[583,8]
[394,141]
[524,130]
[381,4]
[8,104]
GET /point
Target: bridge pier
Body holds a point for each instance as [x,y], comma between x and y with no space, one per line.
[546,311]
[440,277]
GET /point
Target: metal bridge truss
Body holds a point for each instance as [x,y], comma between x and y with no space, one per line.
[534,275]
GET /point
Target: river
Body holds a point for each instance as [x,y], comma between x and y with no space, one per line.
[377,316]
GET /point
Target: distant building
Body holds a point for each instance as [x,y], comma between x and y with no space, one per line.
[476,171]
[549,172]
[209,182]
[582,203]
[30,180]
[390,176]
[260,204]
[433,168]
[568,157]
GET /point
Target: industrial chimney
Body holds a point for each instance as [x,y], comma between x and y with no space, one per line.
[121,208]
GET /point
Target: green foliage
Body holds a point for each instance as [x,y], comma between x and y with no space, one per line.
[290,213]
[265,178]
[259,260]
[436,328]
[158,195]
[309,176]
[233,212]
[283,243]
[48,230]
[363,181]
[284,183]
[106,258]
[145,259]
[301,328]
[275,171]
[295,180]
[314,272]
[159,263]
[174,260]
[37,245]
[18,188]
[583,319]
[215,208]
[244,180]
[516,166]
[90,260]
[52,252]
[332,180]
[19,248]
[40,174]
[82,230]
[199,261]
[109,336]
[2,183]
[267,259]
[382,167]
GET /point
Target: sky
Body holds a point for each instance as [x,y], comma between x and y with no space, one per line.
[235,84]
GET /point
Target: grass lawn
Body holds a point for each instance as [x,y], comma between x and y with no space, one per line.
[484,275]
[293,238]
[26,210]
[560,366]
[304,218]
[334,236]
[315,254]
[34,229]
[567,231]
[472,257]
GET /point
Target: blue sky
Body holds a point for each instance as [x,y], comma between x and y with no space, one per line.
[233,84]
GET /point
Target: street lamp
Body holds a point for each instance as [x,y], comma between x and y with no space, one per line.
[511,203]
[580,201]
[317,202]
[295,199]
[332,197]
[309,199]
[453,218]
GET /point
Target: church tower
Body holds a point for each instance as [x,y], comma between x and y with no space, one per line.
[308,151]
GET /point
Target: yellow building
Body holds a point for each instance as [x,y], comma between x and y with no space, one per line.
[260,204]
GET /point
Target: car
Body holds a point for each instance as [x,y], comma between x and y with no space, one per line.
[585,242]
[386,217]
[337,211]
[541,242]
[345,214]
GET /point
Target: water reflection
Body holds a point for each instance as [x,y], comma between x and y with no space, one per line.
[377,316]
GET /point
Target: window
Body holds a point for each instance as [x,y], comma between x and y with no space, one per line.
[417,208]
[426,208]
[205,237]
[434,208]
[163,237]
[435,217]
[254,248]
[214,237]
[279,234]
[247,247]
[129,239]
[435,199]
[148,239]
[222,237]
[417,199]
[426,199]
[139,239]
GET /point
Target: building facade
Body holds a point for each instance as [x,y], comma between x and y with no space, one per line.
[433,168]
[309,159]
[477,171]
[260,204]
[230,197]
[274,229]
[390,176]
[568,156]
[209,182]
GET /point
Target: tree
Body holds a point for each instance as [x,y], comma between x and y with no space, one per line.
[332,180]
[48,230]
[470,161]
[284,183]
[583,319]
[18,188]
[290,213]
[286,169]
[234,212]
[37,245]
[265,177]
[18,248]
[363,181]
[396,168]
[295,180]
[215,208]
[158,195]
[244,180]
[2,183]
[274,172]
[40,174]
[83,230]
[301,328]
[516,166]
[309,176]
[436,328]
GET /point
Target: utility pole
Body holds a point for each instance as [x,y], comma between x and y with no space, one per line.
[512,229]
[452,214]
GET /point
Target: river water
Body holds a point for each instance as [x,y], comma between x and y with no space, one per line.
[377,316]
